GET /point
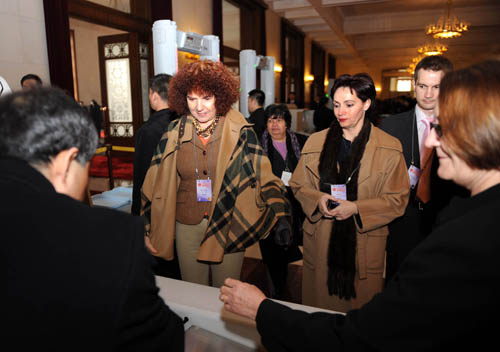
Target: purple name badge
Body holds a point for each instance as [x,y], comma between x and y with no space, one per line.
[339,191]
[204,190]
[414,173]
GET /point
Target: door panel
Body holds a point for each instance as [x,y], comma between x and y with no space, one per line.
[124,72]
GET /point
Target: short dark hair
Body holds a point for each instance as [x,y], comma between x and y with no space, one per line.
[36,125]
[159,84]
[362,84]
[279,110]
[258,95]
[433,63]
[31,76]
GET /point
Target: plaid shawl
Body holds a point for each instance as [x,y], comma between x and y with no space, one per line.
[249,202]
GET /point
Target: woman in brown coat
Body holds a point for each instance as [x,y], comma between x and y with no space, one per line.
[351,182]
[210,186]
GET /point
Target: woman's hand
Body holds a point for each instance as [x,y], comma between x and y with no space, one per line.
[241,298]
[343,211]
[149,245]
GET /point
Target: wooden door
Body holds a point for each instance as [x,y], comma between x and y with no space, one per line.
[124,70]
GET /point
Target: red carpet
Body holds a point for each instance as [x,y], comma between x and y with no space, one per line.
[123,167]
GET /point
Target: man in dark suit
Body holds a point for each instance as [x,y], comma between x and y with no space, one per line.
[149,134]
[409,127]
[256,99]
[146,140]
[78,278]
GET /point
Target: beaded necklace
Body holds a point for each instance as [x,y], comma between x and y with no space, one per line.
[207,131]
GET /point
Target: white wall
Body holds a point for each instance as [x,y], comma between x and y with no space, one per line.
[193,16]
[23,46]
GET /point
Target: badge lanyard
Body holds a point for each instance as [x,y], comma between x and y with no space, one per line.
[340,190]
[204,187]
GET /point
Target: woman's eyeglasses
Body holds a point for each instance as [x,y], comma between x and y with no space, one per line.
[437,128]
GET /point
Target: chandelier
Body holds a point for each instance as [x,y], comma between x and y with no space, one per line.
[448,25]
[432,49]
[414,62]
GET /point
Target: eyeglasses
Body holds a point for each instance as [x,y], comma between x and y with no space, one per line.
[277,120]
[437,128]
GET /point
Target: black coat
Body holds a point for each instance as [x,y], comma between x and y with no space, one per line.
[323,118]
[445,296]
[146,140]
[407,231]
[258,118]
[278,166]
[78,278]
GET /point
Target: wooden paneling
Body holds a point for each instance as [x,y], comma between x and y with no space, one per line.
[106,16]
[58,44]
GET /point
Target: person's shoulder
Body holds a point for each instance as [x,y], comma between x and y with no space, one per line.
[397,119]
[301,138]
[385,140]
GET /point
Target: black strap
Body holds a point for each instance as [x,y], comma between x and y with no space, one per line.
[182,127]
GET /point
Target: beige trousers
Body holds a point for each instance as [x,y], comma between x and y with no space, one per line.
[187,241]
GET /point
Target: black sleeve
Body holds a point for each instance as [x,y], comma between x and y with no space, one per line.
[285,329]
[145,145]
[146,323]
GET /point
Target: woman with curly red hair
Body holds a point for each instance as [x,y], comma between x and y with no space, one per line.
[210,186]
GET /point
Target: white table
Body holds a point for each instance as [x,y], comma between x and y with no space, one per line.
[201,305]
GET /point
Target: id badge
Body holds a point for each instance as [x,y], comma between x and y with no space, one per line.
[414,173]
[204,190]
[285,177]
[339,191]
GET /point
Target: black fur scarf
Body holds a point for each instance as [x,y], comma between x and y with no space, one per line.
[337,162]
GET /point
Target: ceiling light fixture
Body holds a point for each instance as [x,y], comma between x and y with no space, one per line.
[432,49]
[448,25]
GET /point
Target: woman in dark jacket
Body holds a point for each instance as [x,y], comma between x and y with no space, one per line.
[283,147]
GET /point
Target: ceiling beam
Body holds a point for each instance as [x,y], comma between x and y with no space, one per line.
[335,21]
[348,2]
[284,5]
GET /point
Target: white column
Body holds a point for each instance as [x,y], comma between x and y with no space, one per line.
[210,48]
[267,81]
[248,73]
[165,47]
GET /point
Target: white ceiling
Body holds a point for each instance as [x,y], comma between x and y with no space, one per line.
[384,34]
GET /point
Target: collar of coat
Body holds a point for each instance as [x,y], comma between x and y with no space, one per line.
[378,139]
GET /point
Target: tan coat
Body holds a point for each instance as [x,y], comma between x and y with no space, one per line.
[258,203]
[383,190]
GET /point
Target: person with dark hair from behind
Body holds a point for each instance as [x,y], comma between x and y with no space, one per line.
[428,193]
[31,81]
[78,277]
[256,99]
[146,140]
[149,134]
[323,116]
[445,295]
[283,147]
